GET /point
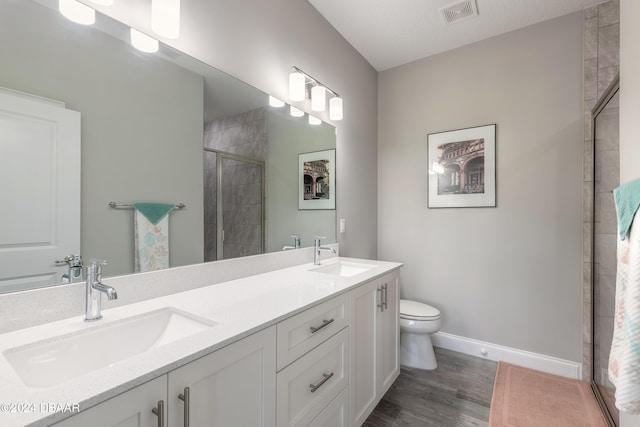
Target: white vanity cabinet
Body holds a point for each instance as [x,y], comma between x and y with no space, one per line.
[375,339]
[313,363]
[233,386]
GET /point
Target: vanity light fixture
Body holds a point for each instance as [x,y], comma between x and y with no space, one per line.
[103,2]
[165,18]
[298,82]
[318,98]
[335,108]
[314,120]
[295,112]
[77,12]
[143,42]
[297,85]
[275,102]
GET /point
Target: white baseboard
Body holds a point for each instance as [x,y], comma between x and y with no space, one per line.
[540,362]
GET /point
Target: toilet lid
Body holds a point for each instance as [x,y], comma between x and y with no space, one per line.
[417,310]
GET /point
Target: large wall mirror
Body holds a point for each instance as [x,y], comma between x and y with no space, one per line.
[154,127]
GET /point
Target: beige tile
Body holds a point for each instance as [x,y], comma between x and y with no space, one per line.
[587,167]
[590,34]
[608,46]
[590,79]
[609,13]
[591,12]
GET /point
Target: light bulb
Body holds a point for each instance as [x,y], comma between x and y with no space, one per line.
[77,12]
[295,112]
[335,108]
[275,102]
[314,120]
[318,98]
[165,18]
[296,86]
[143,42]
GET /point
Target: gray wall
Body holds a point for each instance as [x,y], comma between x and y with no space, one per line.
[258,41]
[128,154]
[510,275]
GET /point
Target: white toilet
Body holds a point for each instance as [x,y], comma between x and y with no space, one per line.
[417,322]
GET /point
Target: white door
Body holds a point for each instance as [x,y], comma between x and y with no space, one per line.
[39,189]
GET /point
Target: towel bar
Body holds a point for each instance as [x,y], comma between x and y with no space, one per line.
[115,205]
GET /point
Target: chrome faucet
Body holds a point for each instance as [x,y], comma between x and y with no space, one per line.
[95,288]
[296,243]
[317,248]
[74,265]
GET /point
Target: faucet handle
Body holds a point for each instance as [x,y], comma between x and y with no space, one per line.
[97,262]
[320,237]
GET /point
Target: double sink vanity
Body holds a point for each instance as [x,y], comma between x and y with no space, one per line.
[305,345]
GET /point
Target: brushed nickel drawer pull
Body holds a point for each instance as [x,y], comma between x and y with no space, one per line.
[159,411]
[185,398]
[384,287]
[325,378]
[325,323]
[381,305]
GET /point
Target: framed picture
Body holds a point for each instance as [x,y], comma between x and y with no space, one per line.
[462,168]
[317,180]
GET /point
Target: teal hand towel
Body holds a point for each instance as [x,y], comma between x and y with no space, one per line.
[154,212]
[627,199]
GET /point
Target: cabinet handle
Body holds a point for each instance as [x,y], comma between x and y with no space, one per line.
[381,305]
[384,288]
[159,411]
[325,378]
[185,398]
[325,323]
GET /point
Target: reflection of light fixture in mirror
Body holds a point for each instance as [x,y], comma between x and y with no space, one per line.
[295,112]
[335,108]
[165,18]
[143,42]
[275,102]
[314,120]
[298,81]
[77,12]
[297,85]
[318,98]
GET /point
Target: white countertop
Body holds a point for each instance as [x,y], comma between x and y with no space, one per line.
[240,307]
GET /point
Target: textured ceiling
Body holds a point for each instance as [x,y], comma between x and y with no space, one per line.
[389,33]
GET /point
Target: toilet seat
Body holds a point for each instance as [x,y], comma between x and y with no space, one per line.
[414,310]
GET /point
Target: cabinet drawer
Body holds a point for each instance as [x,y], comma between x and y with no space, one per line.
[302,332]
[336,414]
[310,383]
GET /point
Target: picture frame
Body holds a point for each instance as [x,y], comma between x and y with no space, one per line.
[316,180]
[461,167]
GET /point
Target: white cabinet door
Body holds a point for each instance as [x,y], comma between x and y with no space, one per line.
[130,409]
[234,386]
[336,414]
[39,190]
[364,342]
[389,334]
[375,341]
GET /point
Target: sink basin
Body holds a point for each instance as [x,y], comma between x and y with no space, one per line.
[343,268]
[55,360]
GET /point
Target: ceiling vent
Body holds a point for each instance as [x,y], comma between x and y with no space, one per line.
[459,11]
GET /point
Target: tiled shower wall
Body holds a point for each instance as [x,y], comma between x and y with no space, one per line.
[245,135]
[601,65]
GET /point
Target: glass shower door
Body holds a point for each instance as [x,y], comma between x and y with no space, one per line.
[234,206]
[606,178]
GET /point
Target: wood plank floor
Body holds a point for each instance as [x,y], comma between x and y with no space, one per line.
[457,393]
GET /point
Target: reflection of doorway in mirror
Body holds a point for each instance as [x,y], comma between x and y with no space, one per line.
[40,176]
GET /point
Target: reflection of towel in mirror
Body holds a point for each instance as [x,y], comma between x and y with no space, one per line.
[151,236]
[624,359]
